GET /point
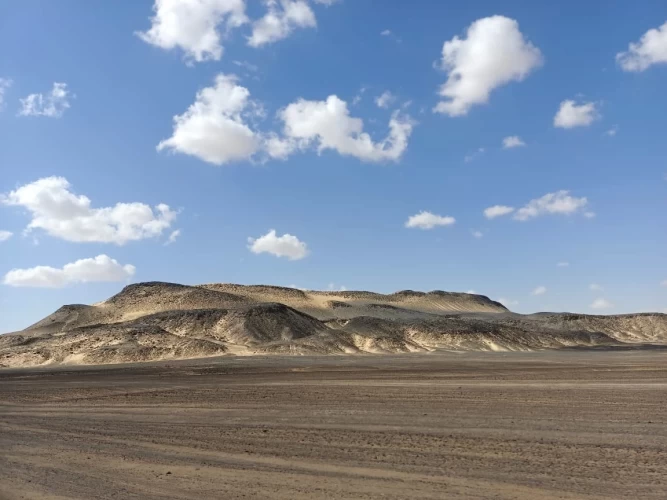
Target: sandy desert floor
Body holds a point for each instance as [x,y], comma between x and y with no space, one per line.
[567,424]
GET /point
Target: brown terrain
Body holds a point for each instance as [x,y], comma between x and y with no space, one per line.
[532,425]
[160,321]
[278,393]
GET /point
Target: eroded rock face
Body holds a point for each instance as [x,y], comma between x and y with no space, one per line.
[153,321]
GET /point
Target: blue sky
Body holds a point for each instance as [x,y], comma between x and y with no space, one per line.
[563,80]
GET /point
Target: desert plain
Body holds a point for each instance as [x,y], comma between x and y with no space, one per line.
[568,424]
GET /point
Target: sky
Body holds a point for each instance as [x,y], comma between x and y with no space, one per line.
[514,149]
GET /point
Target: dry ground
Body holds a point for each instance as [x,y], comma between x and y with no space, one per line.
[566,424]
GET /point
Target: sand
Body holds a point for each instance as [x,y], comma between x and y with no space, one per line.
[553,424]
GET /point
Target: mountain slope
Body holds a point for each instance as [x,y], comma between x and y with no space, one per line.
[154,320]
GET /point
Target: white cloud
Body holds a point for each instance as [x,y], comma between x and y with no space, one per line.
[471,292]
[651,49]
[601,304]
[559,202]
[281,246]
[508,302]
[470,157]
[193,26]
[214,127]
[53,104]
[173,237]
[563,264]
[497,211]
[328,125]
[427,220]
[5,235]
[589,215]
[612,131]
[100,268]
[493,54]
[595,287]
[333,288]
[63,214]
[540,290]
[5,83]
[281,19]
[571,114]
[385,32]
[477,234]
[385,100]
[513,141]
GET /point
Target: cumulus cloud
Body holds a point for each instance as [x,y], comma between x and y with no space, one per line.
[563,264]
[5,83]
[328,125]
[5,235]
[385,99]
[280,20]
[100,268]
[214,128]
[513,141]
[595,287]
[493,54]
[497,211]
[651,49]
[53,104]
[194,26]
[63,214]
[540,290]
[427,220]
[570,114]
[559,202]
[281,246]
[601,304]
[385,32]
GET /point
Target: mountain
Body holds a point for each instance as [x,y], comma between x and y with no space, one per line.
[155,321]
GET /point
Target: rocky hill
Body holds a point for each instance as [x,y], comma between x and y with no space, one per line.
[154,321]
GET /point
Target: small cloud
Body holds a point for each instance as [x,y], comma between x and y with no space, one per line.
[333,288]
[563,264]
[385,100]
[427,220]
[540,290]
[173,236]
[248,66]
[51,105]
[649,50]
[570,114]
[595,287]
[513,141]
[508,302]
[477,234]
[497,211]
[5,83]
[589,215]
[612,131]
[98,269]
[471,292]
[470,157]
[5,235]
[281,246]
[386,33]
[559,202]
[601,304]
